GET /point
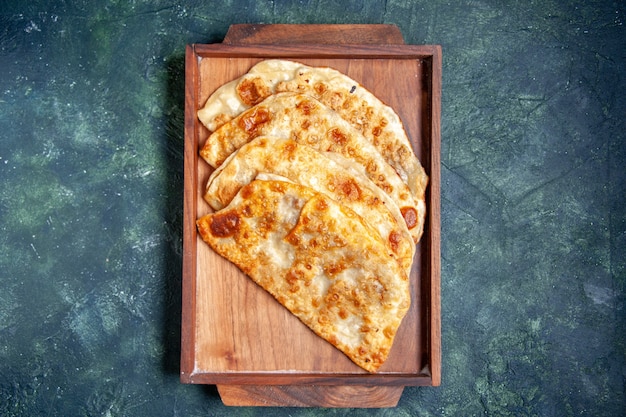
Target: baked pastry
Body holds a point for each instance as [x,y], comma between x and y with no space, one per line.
[318,198]
[320,260]
[378,122]
[309,122]
[304,165]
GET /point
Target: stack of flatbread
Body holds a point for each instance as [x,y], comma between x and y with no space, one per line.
[318,198]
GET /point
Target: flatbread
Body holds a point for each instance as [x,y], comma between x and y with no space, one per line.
[362,109]
[309,122]
[303,165]
[319,260]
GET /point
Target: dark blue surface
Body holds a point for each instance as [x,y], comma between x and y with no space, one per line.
[533,192]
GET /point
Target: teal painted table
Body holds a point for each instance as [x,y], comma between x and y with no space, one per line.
[533,190]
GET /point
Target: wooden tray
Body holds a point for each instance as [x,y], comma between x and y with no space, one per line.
[237,336]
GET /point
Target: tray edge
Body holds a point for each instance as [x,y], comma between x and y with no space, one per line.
[431,375]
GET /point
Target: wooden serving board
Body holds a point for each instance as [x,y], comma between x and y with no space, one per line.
[234,334]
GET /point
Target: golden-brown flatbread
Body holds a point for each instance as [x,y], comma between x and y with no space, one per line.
[304,165]
[362,109]
[309,122]
[319,260]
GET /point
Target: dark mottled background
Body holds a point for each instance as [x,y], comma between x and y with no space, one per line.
[533,194]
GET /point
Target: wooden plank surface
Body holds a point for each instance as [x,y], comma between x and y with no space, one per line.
[222,287]
[314,34]
[312,395]
[225,353]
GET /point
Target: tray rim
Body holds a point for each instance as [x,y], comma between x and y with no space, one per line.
[430,375]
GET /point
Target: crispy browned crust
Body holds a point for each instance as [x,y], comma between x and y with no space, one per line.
[304,165]
[309,122]
[318,197]
[320,260]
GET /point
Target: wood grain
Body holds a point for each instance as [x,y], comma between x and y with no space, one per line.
[230,332]
[313,34]
[222,296]
[188,318]
[310,396]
